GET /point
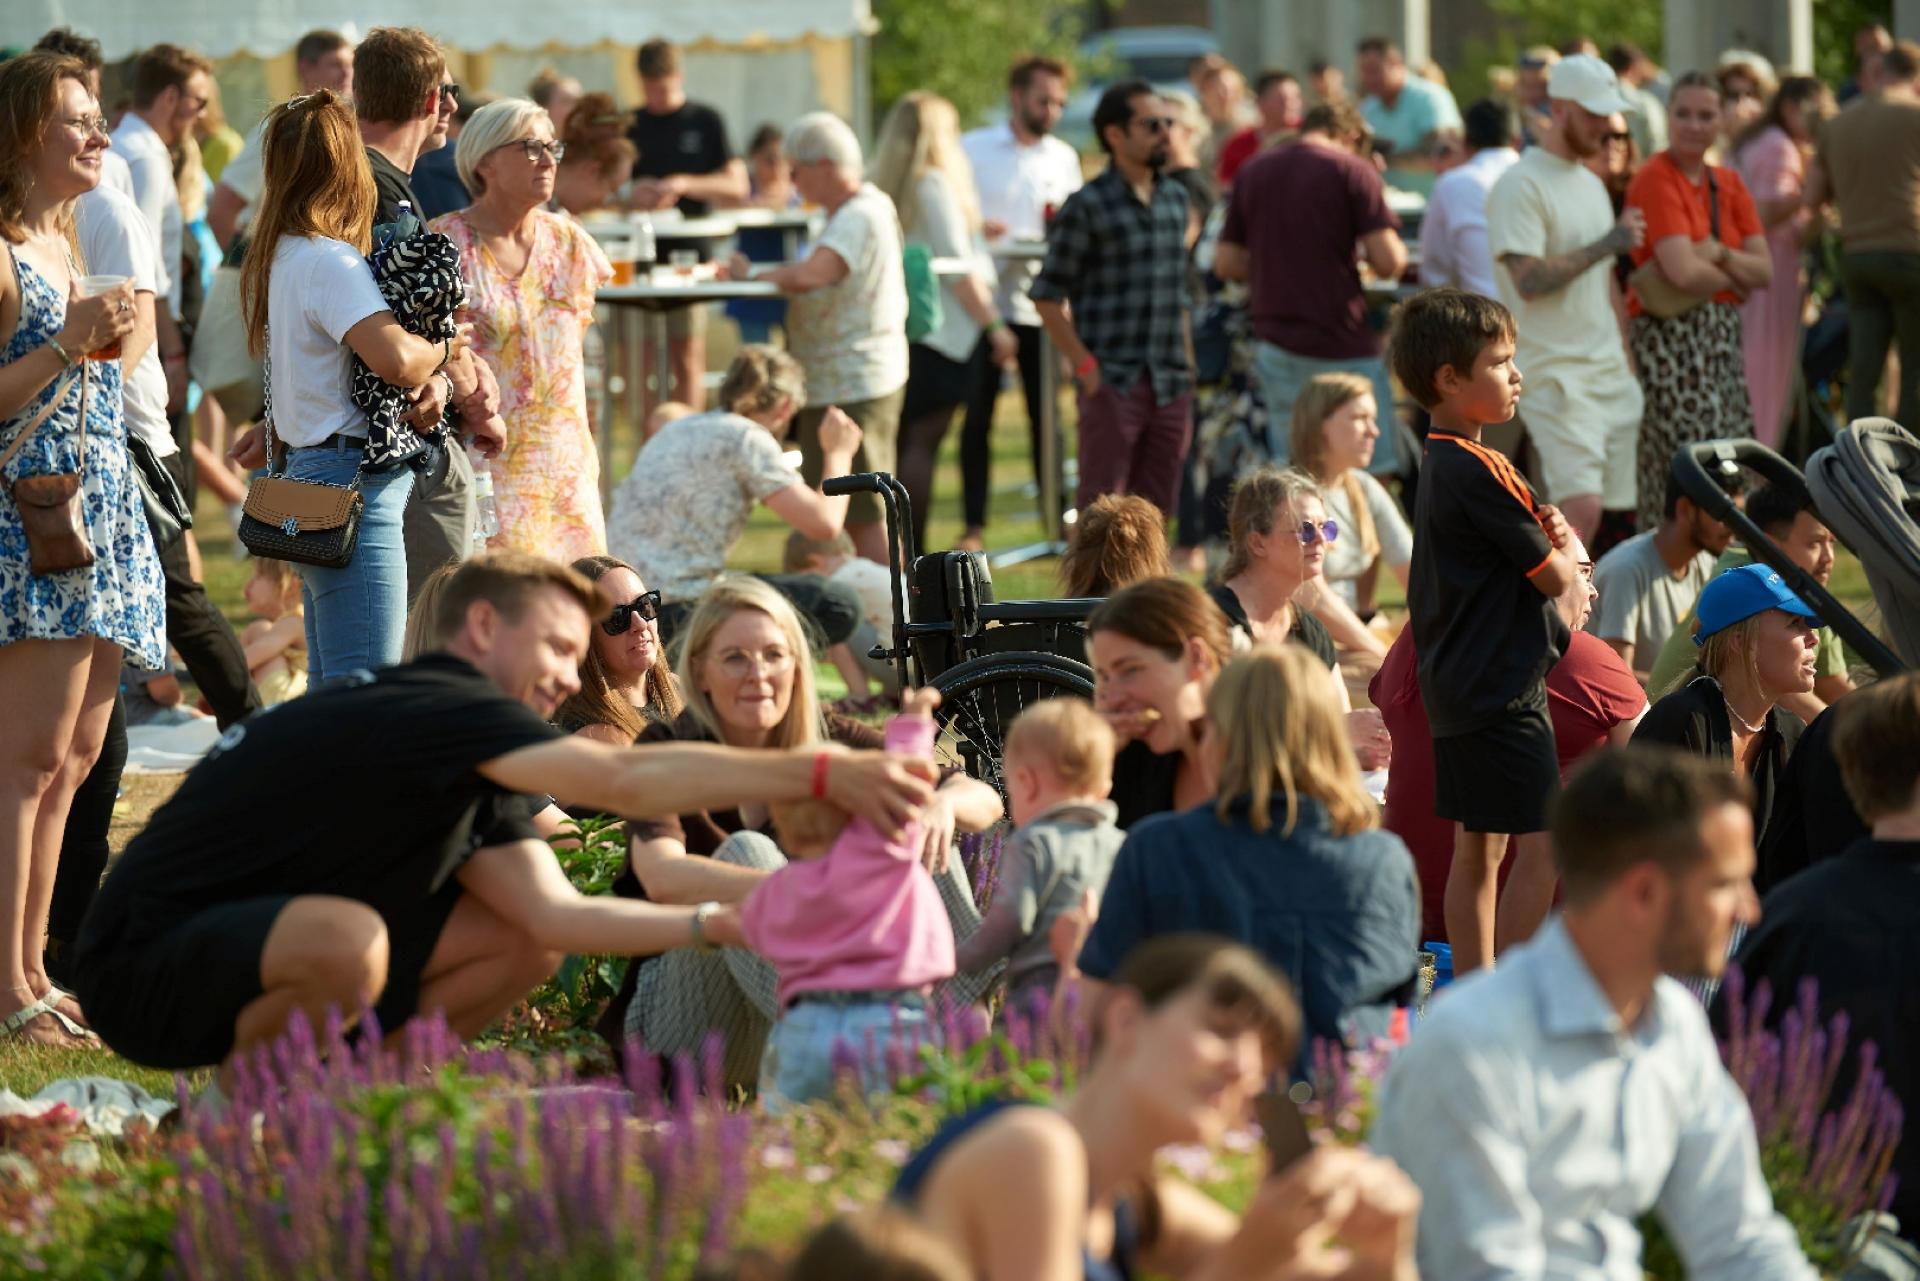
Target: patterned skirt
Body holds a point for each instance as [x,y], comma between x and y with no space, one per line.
[1694,374]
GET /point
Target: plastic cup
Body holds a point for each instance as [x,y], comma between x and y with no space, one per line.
[93,287]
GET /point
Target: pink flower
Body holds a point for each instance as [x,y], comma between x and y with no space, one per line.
[776,1156]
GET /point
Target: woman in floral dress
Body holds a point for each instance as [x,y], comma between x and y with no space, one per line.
[531,277]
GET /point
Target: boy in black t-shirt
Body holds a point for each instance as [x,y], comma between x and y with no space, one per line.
[1487,565]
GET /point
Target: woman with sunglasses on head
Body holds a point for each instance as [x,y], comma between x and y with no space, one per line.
[625,682]
[531,276]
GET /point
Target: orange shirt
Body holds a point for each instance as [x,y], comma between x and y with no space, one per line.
[1677,207]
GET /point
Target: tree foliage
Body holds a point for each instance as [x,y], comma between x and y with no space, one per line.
[962,51]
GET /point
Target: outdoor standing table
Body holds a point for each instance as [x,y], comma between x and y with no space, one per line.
[1051,464]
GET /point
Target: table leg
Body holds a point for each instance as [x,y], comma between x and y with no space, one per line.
[1052,468]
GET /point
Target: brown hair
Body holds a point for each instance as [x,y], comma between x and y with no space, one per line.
[422,633]
[1322,397]
[1256,500]
[759,378]
[800,550]
[597,703]
[658,58]
[1626,806]
[394,70]
[507,580]
[1066,736]
[82,49]
[1235,981]
[317,183]
[1037,65]
[1877,742]
[1275,718]
[1900,63]
[1438,328]
[880,1243]
[317,44]
[1164,614]
[1799,90]
[162,67]
[1119,539]
[596,134]
[29,101]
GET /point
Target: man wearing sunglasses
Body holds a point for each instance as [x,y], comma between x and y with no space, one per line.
[1113,297]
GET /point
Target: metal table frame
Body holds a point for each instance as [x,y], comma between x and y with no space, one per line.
[1052,498]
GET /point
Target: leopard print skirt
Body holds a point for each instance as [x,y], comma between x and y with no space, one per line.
[1695,379]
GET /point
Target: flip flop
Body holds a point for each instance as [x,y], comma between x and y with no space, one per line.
[15,1024]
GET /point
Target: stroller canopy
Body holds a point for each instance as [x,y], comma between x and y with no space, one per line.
[1867,488]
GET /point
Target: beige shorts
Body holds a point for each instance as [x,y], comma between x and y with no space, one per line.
[879,421]
[1586,429]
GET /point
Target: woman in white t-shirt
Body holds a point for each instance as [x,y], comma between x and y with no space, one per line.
[922,168]
[311,306]
[1335,424]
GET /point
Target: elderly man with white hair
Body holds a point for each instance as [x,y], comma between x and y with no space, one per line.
[847,314]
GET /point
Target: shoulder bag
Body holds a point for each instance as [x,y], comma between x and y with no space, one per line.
[50,508]
[1660,297]
[308,522]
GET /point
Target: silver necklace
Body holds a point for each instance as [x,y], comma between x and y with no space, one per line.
[1742,721]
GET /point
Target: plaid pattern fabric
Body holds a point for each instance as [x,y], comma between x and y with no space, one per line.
[1122,266]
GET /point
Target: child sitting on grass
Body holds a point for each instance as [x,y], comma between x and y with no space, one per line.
[276,640]
[1058,766]
[833,559]
[856,930]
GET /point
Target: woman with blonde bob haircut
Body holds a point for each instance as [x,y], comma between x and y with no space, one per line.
[1318,889]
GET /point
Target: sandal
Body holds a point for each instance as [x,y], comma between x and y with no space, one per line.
[55,995]
[14,1026]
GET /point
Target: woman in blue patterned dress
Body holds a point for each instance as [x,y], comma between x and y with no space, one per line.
[62,635]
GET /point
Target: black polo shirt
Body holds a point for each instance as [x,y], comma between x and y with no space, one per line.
[1485,634]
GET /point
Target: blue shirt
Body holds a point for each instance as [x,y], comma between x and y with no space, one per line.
[1338,915]
[1422,109]
[1540,1129]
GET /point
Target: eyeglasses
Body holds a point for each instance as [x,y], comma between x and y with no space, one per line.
[449,92]
[195,103]
[1616,137]
[646,604]
[738,664]
[1156,124]
[533,147]
[87,125]
[1326,531]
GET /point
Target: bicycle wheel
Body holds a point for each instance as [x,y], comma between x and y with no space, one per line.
[980,698]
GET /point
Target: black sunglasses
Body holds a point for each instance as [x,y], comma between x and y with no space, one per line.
[1156,124]
[451,92]
[646,604]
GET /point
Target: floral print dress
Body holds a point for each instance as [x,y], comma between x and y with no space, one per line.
[531,331]
[121,597]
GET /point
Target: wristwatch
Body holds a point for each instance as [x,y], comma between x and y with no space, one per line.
[701,915]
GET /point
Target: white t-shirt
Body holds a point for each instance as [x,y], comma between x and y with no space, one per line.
[116,240]
[245,175]
[1640,599]
[1542,207]
[874,582]
[851,337]
[1453,231]
[941,227]
[1016,183]
[319,288]
[151,167]
[1346,558]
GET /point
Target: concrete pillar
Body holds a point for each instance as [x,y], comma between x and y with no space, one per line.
[1698,31]
[1291,33]
[1906,19]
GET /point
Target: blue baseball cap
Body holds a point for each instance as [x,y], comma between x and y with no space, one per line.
[1739,594]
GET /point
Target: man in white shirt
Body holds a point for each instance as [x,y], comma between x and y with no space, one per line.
[1544,1107]
[1552,234]
[1453,232]
[171,87]
[1023,174]
[322,60]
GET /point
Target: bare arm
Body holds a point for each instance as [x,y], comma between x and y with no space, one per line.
[1058,320]
[671,875]
[1687,268]
[1622,734]
[1831,689]
[1231,261]
[399,358]
[807,509]
[1537,277]
[223,214]
[523,883]
[1332,610]
[1818,191]
[1751,265]
[726,185]
[1778,210]
[1386,253]
[275,639]
[822,267]
[1555,574]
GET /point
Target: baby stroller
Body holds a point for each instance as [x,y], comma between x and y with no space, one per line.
[1866,488]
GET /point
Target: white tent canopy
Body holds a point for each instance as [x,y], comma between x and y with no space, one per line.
[267,28]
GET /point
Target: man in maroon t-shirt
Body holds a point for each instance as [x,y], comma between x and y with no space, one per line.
[1297,214]
[1593,699]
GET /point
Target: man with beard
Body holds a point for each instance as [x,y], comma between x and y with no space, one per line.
[1297,213]
[1544,1107]
[1551,231]
[1113,296]
[1024,174]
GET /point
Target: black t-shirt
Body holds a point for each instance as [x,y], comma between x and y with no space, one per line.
[1813,818]
[1485,635]
[691,140]
[394,186]
[365,789]
[1307,630]
[1694,719]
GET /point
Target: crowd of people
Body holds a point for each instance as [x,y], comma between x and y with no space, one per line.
[1599,732]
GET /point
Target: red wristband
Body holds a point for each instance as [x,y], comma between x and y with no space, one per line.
[1086,366]
[820,760]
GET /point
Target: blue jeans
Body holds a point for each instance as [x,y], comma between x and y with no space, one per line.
[1283,376]
[816,1039]
[357,616]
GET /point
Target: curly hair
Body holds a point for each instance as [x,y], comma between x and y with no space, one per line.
[1119,539]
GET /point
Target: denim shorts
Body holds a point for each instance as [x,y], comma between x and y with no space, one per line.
[357,616]
[816,1040]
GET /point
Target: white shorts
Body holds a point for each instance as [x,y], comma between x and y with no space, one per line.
[1586,426]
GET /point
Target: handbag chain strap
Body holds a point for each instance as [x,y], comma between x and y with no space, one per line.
[266,420]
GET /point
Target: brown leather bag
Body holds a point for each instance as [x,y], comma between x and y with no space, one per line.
[1660,297]
[50,506]
[308,522]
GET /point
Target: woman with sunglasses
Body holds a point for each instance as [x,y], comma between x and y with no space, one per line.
[531,277]
[625,683]
[1279,536]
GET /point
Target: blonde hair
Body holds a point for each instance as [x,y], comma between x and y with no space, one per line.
[423,633]
[1323,397]
[1730,648]
[1257,496]
[317,183]
[759,378]
[800,550]
[802,726]
[494,125]
[921,136]
[1274,716]
[1069,738]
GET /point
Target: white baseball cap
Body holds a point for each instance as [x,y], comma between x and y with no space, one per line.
[1585,79]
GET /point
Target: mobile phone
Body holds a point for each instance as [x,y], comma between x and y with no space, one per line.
[1284,1127]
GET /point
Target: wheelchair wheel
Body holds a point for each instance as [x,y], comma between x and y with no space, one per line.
[981,697]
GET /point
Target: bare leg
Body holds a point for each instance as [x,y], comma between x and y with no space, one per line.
[1528,896]
[869,539]
[1472,885]
[43,686]
[851,672]
[481,968]
[689,358]
[1583,513]
[322,953]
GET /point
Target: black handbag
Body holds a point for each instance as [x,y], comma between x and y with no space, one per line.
[168,515]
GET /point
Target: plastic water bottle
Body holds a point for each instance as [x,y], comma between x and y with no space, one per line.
[486,512]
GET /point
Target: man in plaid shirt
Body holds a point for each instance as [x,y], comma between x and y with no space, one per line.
[1113,296]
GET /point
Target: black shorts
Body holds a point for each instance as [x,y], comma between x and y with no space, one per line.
[934,383]
[172,1001]
[1500,778]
